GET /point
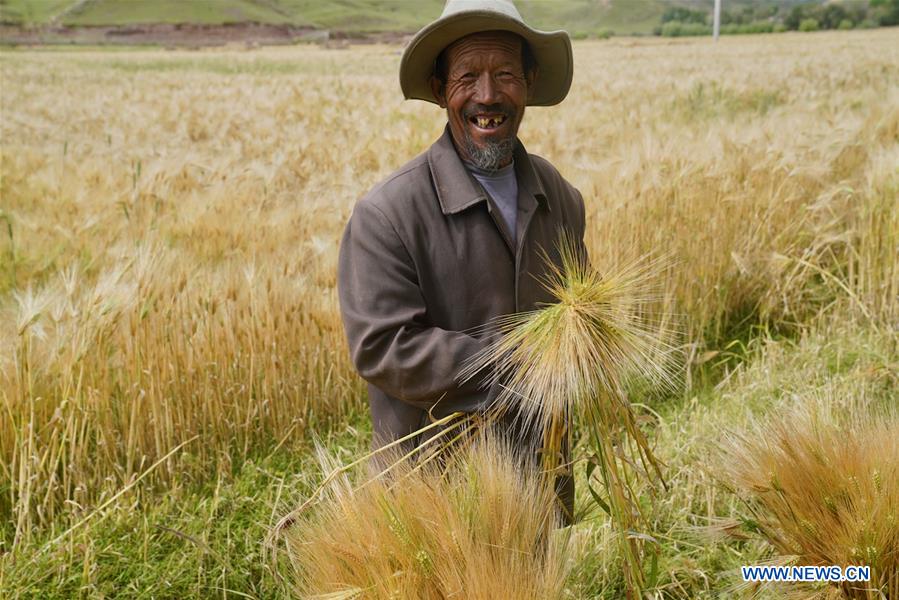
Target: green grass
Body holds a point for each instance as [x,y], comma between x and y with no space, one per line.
[366,15]
[580,17]
[31,11]
[206,539]
[124,12]
[836,360]
[584,17]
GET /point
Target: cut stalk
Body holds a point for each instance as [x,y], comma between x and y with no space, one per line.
[576,357]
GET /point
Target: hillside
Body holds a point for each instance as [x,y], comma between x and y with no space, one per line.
[576,16]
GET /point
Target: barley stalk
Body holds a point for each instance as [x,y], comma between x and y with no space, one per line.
[576,357]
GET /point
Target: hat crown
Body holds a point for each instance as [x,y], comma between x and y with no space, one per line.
[503,7]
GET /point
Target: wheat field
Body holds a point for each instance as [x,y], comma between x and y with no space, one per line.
[170,342]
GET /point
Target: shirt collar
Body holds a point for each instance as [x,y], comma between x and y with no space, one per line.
[504,173]
[457,189]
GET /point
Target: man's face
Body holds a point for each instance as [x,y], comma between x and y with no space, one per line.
[485,94]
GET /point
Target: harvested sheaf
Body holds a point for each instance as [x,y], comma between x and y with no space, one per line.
[575,359]
[823,489]
[477,526]
[594,340]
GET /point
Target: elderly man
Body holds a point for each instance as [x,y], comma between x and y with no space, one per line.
[453,239]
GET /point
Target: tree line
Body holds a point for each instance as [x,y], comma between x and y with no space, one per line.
[771,18]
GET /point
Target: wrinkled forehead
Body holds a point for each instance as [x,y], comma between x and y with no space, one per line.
[498,45]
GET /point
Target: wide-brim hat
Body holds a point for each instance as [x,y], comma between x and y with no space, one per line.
[551,49]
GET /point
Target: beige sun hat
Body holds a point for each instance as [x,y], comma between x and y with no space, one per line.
[551,49]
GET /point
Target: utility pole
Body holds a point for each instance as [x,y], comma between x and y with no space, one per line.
[716,24]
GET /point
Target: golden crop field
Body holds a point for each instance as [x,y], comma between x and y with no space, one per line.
[170,342]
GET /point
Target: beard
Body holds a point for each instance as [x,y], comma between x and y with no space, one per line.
[492,156]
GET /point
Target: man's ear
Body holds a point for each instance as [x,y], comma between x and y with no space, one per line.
[531,78]
[439,91]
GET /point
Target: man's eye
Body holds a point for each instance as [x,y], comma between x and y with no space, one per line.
[468,76]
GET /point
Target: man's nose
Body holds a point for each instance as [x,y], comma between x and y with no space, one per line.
[486,89]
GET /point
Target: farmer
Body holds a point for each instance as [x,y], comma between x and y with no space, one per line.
[453,239]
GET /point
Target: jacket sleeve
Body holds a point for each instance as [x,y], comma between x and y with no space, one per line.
[385,318]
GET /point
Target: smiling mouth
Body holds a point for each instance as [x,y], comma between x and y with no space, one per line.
[487,122]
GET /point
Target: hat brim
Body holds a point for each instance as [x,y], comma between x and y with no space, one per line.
[551,49]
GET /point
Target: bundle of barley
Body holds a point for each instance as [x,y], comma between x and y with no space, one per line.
[823,489]
[473,527]
[575,358]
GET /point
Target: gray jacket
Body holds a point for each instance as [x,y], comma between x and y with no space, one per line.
[424,260]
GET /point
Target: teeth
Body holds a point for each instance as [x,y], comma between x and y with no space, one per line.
[484,122]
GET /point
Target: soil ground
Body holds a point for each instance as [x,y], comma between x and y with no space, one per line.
[186,35]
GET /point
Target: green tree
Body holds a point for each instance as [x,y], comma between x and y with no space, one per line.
[885,12]
[832,15]
[684,15]
[797,14]
[809,25]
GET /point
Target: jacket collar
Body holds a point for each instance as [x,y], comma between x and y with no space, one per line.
[456,188]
